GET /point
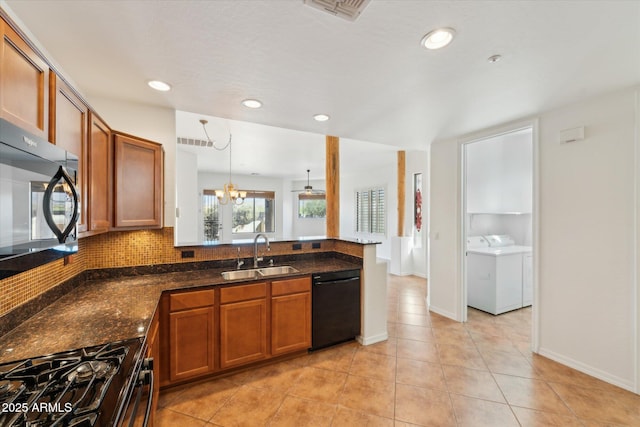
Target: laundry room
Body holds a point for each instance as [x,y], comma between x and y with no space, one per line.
[498,221]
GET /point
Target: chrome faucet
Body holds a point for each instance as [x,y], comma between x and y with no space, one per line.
[255,249]
[239,262]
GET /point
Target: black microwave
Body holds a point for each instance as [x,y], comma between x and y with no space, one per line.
[39,202]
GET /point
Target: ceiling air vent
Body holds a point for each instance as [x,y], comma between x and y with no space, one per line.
[194,142]
[347,9]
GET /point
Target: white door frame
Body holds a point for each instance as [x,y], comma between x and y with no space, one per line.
[462,285]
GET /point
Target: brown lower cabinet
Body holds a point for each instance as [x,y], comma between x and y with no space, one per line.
[191,334]
[290,315]
[243,324]
[205,332]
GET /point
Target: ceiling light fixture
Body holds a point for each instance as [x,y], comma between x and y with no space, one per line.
[252,103]
[439,38]
[212,142]
[229,192]
[159,85]
[494,58]
[321,117]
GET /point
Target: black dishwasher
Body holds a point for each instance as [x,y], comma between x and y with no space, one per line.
[335,308]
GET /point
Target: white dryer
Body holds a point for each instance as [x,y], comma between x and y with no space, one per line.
[495,273]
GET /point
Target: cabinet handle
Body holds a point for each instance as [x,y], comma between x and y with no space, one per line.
[61,175]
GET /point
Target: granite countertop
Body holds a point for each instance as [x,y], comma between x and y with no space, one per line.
[107,310]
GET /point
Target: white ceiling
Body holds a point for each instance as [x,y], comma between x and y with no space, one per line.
[371,76]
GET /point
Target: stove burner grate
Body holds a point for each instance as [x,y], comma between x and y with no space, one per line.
[65,389]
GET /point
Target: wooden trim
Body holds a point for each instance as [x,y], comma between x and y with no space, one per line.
[401,191]
[333,185]
[304,196]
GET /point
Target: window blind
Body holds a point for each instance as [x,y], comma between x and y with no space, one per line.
[370,211]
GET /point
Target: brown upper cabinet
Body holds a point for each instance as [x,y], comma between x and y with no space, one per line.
[68,118]
[120,180]
[24,84]
[99,176]
[138,175]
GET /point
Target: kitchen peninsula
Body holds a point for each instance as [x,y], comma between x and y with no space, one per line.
[114,304]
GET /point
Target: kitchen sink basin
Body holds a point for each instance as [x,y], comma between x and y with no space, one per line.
[239,274]
[258,272]
[273,271]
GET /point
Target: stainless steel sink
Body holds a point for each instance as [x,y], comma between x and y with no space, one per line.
[240,274]
[273,271]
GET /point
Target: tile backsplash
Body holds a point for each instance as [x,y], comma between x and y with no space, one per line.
[134,248]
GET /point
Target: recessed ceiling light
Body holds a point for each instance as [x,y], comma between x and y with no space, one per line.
[159,85]
[494,58]
[252,103]
[321,117]
[439,38]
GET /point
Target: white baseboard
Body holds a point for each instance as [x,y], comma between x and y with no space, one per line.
[626,384]
[373,339]
[442,312]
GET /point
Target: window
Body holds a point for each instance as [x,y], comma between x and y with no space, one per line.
[370,211]
[211,214]
[312,206]
[256,214]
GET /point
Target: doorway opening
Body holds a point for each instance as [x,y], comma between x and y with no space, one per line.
[498,224]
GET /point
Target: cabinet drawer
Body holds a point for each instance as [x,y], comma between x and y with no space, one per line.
[291,286]
[243,292]
[193,299]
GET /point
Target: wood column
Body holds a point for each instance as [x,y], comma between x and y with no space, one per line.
[401,191]
[332,166]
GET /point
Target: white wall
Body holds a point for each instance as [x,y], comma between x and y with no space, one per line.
[152,123]
[444,229]
[587,268]
[587,240]
[306,227]
[189,228]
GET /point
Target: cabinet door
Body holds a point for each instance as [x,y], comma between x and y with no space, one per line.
[24,84]
[99,169]
[192,343]
[138,183]
[243,332]
[290,323]
[68,117]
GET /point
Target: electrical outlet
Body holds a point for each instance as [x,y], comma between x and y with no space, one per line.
[297,246]
[315,245]
[188,254]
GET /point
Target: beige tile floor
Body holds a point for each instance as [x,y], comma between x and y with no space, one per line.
[431,372]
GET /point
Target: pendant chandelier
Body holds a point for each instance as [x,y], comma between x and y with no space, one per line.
[229,193]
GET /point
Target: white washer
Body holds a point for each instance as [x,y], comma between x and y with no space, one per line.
[495,273]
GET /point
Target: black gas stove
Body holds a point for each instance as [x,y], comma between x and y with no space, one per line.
[91,386]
